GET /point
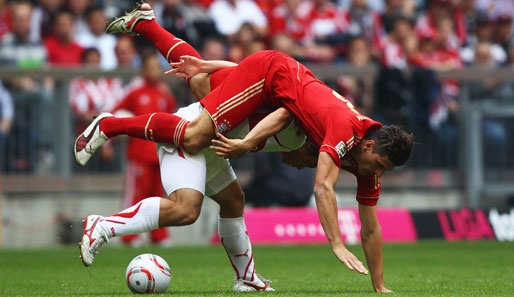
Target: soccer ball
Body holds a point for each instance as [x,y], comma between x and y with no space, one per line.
[148,273]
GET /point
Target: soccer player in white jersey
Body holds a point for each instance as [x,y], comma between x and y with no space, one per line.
[187,178]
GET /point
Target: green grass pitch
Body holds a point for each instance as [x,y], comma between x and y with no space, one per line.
[427,268]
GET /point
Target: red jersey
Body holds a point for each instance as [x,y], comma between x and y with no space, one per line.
[327,118]
[148,98]
[63,54]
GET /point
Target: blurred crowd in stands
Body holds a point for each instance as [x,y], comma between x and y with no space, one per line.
[407,40]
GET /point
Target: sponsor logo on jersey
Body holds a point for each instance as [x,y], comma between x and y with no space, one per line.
[341,149]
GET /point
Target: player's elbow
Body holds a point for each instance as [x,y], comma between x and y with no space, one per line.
[321,189]
[284,117]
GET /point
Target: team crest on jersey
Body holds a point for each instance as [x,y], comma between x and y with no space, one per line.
[341,149]
[223,126]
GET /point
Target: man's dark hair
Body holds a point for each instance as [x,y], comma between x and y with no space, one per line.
[59,13]
[92,9]
[87,52]
[147,55]
[392,141]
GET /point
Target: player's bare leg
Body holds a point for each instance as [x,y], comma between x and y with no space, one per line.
[181,208]
[199,133]
[235,240]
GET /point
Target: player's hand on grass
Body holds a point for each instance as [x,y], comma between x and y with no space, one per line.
[188,66]
[349,260]
[229,148]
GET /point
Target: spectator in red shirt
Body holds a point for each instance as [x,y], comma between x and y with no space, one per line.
[320,19]
[284,18]
[61,48]
[288,27]
[142,177]
[438,9]
[5,18]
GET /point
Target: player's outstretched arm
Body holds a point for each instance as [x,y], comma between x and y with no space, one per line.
[189,66]
[270,125]
[371,237]
[326,178]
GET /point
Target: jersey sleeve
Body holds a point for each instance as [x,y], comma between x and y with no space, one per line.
[338,140]
[368,189]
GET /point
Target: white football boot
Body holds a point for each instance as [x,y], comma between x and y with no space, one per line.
[92,239]
[259,284]
[126,23]
[90,140]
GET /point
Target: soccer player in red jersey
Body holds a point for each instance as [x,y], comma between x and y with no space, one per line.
[142,177]
[268,79]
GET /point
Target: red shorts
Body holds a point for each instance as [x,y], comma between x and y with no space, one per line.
[264,80]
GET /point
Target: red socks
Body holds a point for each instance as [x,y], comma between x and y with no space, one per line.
[157,127]
[169,46]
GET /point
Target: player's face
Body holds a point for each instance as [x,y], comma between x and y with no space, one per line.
[370,162]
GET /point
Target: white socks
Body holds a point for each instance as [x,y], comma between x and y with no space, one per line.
[233,236]
[139,218]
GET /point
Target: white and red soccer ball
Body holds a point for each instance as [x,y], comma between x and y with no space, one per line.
[148,273]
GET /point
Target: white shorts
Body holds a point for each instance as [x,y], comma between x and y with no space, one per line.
[204,172]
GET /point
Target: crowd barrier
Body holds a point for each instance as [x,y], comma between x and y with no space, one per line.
[302,225]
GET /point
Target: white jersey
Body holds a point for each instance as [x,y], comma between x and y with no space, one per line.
[206,172]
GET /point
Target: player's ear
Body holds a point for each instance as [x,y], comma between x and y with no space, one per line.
[369,145]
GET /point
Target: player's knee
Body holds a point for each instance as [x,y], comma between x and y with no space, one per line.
[194,140]
[199,133]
